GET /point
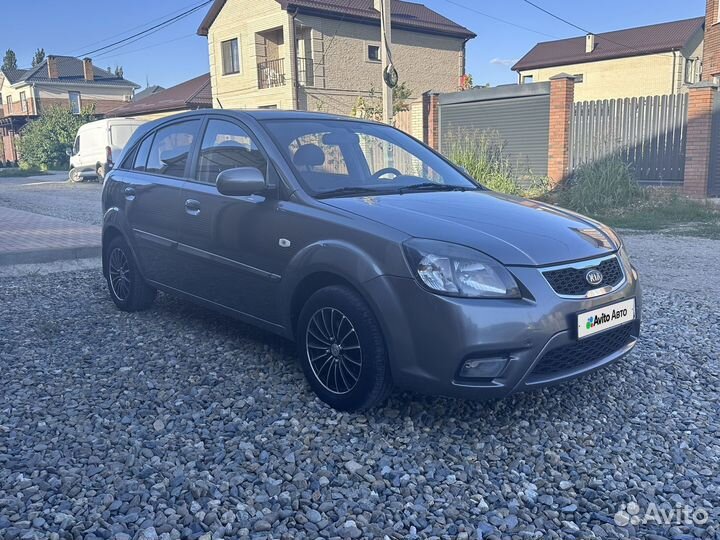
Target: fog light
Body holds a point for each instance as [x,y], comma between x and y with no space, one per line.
[483,368]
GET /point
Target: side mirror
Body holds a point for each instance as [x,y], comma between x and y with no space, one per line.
[68,152]
[241,182]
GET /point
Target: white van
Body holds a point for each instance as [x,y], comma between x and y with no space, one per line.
[97,144]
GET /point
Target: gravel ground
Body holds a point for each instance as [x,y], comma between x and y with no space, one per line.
[53,195]
[179,423]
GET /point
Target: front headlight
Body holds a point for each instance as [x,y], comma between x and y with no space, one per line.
[459,271]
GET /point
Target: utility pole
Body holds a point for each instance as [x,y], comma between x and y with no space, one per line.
[383,6]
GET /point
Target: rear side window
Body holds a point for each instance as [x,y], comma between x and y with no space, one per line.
[226,146]
[171,148]
[141,155]
[120,134]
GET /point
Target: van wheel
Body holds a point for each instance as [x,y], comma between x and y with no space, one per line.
[342,350]
[127,287]
[74,175]
[100,172]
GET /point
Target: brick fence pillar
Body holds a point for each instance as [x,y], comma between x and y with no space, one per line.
[562,96]
[699,138]
[431,107]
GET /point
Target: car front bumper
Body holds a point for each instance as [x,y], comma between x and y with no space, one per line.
[430,336]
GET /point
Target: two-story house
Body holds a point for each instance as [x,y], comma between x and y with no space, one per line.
[57,81]
[324,54]
[645,61]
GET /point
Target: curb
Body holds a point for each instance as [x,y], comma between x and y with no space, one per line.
[49,255]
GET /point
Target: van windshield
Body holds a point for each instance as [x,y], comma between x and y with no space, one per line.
[346,157]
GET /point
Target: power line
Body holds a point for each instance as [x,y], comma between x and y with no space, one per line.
[107,38]
[108,55]
[152,29]
[498,19]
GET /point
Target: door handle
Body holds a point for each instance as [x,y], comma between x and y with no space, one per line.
[192,207]
[129,193]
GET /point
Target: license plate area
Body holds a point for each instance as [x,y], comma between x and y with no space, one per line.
[596,321]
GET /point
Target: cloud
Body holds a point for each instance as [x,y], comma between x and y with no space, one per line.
[507,62]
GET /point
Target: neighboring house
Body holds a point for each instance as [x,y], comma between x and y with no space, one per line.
[147,92]
[187,96]
[57,81]
[711,46]
[324,54]
[645,61]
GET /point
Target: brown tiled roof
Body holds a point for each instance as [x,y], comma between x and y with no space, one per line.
[651,39]
[408,15]
[193,94]
[70,72]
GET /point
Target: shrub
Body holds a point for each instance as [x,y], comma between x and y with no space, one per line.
[482,154]
[43,142]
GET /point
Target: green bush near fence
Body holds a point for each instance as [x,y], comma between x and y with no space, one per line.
[482,154]
[601,185]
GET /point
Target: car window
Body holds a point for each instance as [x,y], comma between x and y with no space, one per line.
[226,145]
[382,154]
[141,155]
[171,148]
[334,160]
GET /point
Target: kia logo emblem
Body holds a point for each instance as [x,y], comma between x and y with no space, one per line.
[594,276]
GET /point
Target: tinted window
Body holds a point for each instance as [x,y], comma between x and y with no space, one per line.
[141,154]
[171,148]
[226,146]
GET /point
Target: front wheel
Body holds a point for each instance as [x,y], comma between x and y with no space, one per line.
[127,287]
[342,350]
[74,175]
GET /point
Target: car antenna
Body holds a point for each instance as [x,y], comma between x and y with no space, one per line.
[219,103]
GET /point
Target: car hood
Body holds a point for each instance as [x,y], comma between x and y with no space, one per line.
[515,231]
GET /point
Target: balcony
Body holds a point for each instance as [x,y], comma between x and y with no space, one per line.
[271,73]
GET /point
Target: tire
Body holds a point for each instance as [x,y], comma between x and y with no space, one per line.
[127,287]
[74,175]
[342,350]
[100,172]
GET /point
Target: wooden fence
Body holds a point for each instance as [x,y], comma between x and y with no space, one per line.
[649,133]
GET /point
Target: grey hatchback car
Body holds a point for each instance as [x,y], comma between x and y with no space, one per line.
[384,261]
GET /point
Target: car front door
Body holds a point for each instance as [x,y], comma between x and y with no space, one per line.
[152,190]
[231,252]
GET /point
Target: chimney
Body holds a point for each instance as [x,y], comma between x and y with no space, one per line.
[52,66]
[589,43]
[88,69]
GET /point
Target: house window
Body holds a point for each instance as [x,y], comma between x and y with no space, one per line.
[693,67]
[23,102]
[9,102]
[374,53]
[230,57]
[74,102]
[578,78]
[527,79]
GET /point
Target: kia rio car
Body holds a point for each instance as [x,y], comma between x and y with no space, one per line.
[385,262]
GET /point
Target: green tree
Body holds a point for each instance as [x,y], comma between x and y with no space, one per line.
[43,142]
[9,60]
[371,107]
[38,57]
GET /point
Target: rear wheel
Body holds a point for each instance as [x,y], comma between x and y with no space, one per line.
[127,287]
[342,350]
[100,172]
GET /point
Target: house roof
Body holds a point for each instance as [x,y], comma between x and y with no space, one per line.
[408,15]
[193,94]
[147,92]
[652,39]
[70,70]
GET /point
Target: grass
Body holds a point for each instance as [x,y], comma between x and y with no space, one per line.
[20,173]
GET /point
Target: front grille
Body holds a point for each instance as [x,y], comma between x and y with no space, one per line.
[571,281]
[587,351]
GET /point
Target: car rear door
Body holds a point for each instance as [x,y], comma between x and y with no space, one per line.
[152,192]
[228,241]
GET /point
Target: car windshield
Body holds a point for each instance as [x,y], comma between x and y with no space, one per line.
[346,158]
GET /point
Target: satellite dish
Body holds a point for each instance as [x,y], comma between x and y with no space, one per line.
[390,76]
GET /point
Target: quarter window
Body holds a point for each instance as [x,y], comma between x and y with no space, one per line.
[171,148]
[74,102]
[230,56]
[141,157]
[226,146]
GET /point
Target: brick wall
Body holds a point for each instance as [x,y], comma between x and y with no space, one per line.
[562,89]
[432,106]
[711,50]
[699,139]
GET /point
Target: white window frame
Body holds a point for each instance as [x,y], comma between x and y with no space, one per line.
[23,102]
[238,67]
[369,44]
[71,95]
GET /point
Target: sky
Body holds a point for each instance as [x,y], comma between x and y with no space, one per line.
[176,53]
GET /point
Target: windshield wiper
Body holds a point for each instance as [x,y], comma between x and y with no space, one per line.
[431,186]
[349,190]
